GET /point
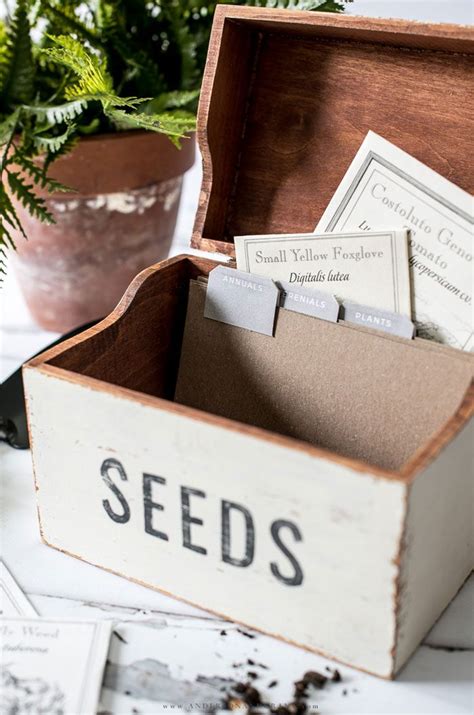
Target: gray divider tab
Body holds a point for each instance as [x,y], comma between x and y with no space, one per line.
[312,302]
[241,299]
[393,323]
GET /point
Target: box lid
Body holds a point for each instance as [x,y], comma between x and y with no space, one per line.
[288,97]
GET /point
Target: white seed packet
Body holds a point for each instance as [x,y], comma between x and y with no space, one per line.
[52,667]
[384,187]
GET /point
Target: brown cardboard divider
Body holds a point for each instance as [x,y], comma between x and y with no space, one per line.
[356,392]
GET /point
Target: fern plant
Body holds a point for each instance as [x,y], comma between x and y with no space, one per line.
[71,68]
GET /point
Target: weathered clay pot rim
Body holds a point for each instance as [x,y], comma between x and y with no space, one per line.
[105,136]
[65,196]
[117,162]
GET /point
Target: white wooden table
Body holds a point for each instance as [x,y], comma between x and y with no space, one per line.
[164,652]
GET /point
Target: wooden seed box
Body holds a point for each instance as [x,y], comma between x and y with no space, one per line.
[360,539]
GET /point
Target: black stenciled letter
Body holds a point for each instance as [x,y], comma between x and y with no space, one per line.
[149,505]
[247,559]
[297,579]
[187,519]
[107,465]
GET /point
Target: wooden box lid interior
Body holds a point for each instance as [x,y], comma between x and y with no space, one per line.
[288,98]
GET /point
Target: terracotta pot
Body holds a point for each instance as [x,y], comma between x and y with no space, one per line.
[121,220]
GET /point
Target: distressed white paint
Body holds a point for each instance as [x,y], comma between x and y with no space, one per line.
[351,522]
[439,551]
[61,206]
[125,202]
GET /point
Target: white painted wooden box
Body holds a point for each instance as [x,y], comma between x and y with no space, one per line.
[326,546]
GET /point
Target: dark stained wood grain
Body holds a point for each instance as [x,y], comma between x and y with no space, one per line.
[288,98]
[230,89]
[138,345]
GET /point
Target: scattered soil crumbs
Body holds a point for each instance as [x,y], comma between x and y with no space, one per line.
[259,665]
[246,695]
[245,633]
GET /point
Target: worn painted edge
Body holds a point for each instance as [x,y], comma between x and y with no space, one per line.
[397,581]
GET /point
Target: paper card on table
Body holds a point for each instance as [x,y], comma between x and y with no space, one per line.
[386,187]
[52,666]
[369,268]
[13,601]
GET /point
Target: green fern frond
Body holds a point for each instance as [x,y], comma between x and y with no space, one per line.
[45,143]
[177,122]
[8,220]
[59,113]
[109,99]
[8,213]
[37,174]
[17,70]
[90,69]
[329,6]
[174,125]
[65,17]
[171,100]
[51,154]
[3,47]
[176,100]
[6,241]
[8,130]
[26,195]
[94,82]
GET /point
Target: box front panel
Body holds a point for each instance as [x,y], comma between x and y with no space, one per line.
[271,536]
